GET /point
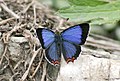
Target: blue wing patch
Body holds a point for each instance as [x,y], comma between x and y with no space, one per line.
[46,37]
[70,51]
[76,34]
[53,54]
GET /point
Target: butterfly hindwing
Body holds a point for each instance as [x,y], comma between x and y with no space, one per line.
[76,34]
[70,51]
[53,54]
[46,37]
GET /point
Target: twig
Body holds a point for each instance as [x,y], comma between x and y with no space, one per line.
[60,24]
[11,68]
[27,71]
[103,38]
[4,38]
[17,65]
[37,66]
[101,44]
[6,20]
[9,11]
[25,10]
[11,79]
[6,47]
[4,67]
[44,71]
[34,10]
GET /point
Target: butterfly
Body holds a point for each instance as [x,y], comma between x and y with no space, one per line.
[67,42]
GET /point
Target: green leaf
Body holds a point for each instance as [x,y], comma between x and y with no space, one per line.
[86,2]
[58,4]
[101,14]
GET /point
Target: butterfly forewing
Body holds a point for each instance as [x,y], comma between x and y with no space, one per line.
[76,34]
[46,37]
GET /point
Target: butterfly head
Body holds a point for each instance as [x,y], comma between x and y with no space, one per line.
[57,32]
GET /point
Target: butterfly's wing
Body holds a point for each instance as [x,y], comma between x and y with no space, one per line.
[73,37]
[76,34]
[45,36]
[47,40]
[53,54]
[70,51]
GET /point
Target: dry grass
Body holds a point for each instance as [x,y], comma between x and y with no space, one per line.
[20,18]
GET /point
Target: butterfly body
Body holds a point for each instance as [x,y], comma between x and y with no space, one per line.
[67,42]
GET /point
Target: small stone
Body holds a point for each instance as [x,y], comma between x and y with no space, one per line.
[18,39]
[15,51]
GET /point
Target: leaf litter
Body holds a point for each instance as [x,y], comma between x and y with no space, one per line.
[20,18]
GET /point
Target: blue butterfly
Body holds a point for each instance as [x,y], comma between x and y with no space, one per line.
[67,42]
